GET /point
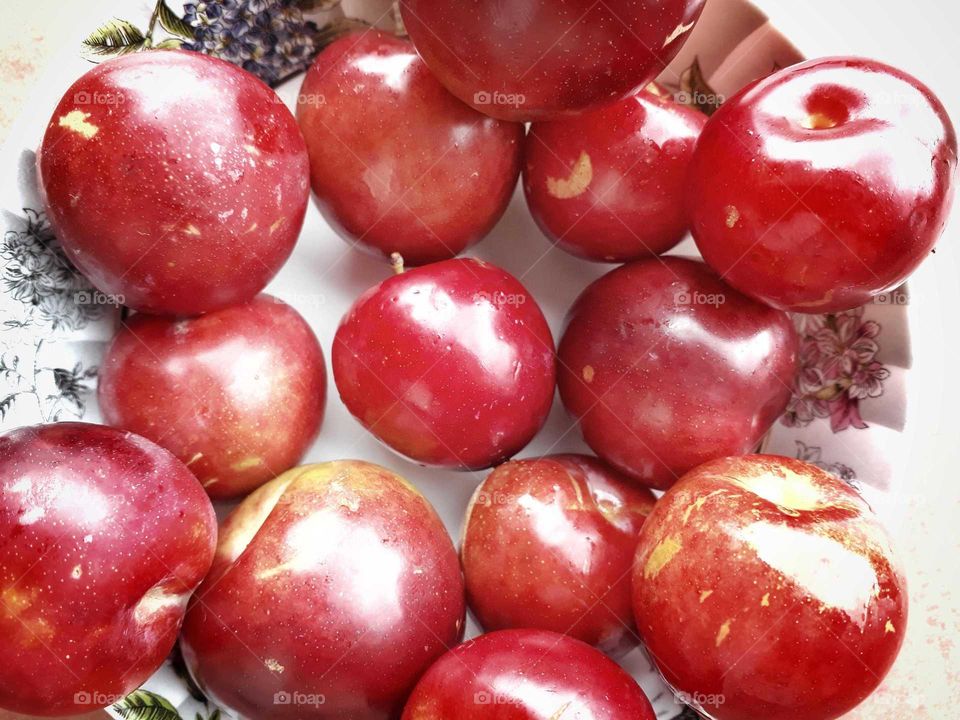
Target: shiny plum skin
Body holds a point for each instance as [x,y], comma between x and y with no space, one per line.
[237,394]
[398,164]
[823,185]
[333,589]
[609,185]
[769,582]
[528,675]
[103,537]
[541,59]
[548,543]
[666,367]
[175,181]
[451,364]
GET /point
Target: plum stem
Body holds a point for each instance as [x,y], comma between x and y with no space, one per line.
[396,262]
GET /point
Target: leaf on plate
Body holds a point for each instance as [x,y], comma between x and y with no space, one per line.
[117,37]
[696,92]
[146,705]
[173,23]
[169,44]
[6,404]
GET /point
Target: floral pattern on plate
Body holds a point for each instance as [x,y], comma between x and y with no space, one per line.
[838,369]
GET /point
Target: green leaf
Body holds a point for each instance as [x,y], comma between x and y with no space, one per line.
[169,44]
[173,23]
[6,404]
[146,705]
[117,37]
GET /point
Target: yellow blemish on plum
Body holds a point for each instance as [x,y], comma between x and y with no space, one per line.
[765,600]
[250,229]
[211,481]
[681,29]
[661,555]
[791,493]
[192,460]
[560,711]
[576,183]
[733,216]
[247,463]
[577,491]
[723,632]
[76,573]
[192,229]
[588,373]
[273,666]
[253,150]
[15,601]
[818,121]
[698,504]
[276,225]
[890,628]
[704,595]
[76,120]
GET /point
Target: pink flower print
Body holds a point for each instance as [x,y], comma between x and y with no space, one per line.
[838,369]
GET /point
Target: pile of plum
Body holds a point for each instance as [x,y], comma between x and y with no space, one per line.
[762,587]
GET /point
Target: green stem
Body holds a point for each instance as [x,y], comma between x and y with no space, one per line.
[153,23]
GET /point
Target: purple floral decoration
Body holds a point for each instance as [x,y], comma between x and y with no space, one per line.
[268,38]
[838,369]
